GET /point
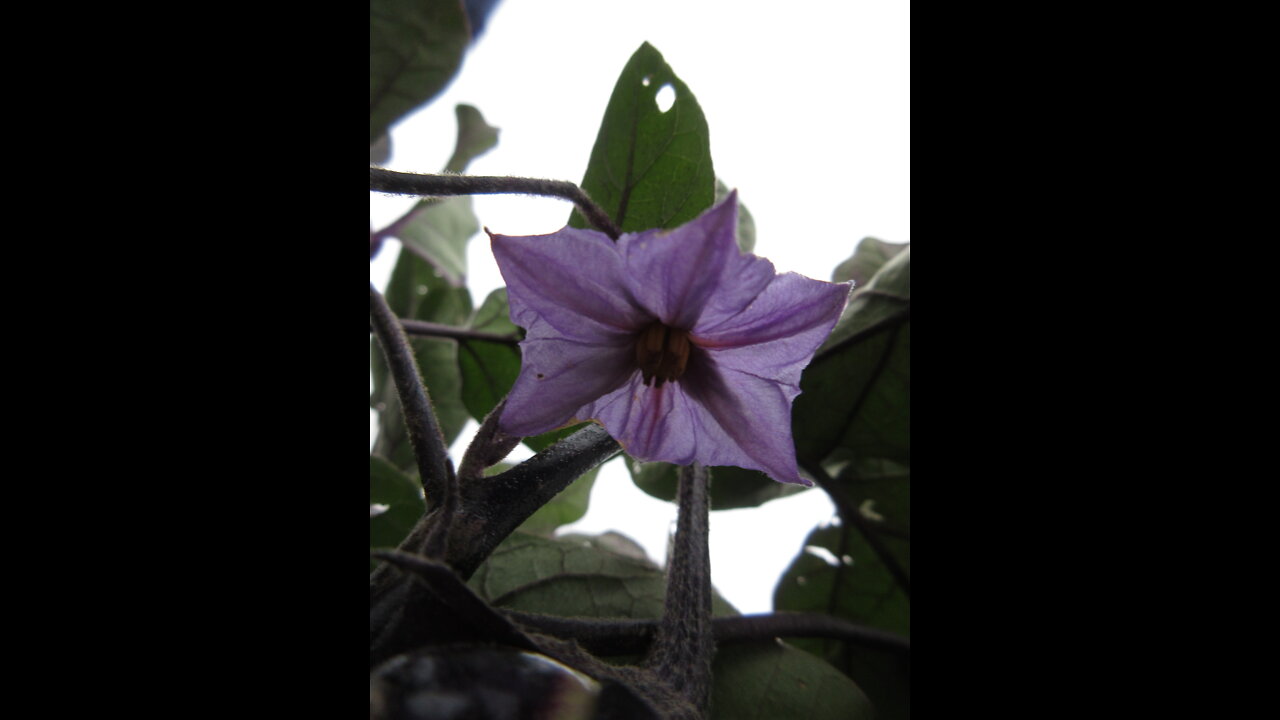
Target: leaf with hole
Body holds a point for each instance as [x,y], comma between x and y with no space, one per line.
[649,168]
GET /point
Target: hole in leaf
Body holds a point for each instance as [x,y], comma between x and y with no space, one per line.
[376,509]
[645,80]
[666,97]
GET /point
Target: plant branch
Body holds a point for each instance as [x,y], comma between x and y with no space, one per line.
[420,327]
[627,637]
[389,181]
[684,646]
[438,479]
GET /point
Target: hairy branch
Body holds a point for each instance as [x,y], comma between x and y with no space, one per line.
[420,420]
[628,637]
[683,647]
[400,183]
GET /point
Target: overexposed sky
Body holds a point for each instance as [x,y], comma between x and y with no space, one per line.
[809,115]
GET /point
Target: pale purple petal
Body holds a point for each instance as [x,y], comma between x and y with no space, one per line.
[711,416]
[776,335]
[674,273]
[557,377]
[573,279]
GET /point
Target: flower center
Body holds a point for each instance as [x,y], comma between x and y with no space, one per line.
[662,353]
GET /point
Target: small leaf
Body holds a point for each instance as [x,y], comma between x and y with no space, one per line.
[475,138]
[415,48]
[746,233]
[870,255]
[401,494]
[488,369]
[856,394]
[649,168]
[437,230]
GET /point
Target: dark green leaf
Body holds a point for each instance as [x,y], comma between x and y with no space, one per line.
[415,48]
[488,369]
[768,680]
[746,223]
[418,291]
[403,497]
[650,169]
[575,576]
[870,255]
[849,578]
[731,487]
[856,394]
[475,138]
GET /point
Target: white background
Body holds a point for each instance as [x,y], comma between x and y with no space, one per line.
[809,115]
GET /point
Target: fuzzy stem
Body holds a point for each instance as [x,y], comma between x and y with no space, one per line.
[399,183]
[683,648]
[438,479]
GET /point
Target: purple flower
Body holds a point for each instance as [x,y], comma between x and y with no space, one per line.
[685,349]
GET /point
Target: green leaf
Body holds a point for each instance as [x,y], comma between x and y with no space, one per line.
[870,255]
[415,48]
[576,576]
[856,394]
[489,369]
[746,224]
[437,230]
[475,138]
[403,497]
[731,487]
[850,580]
[417,290]
[650,169]
[609,576]
[767,680]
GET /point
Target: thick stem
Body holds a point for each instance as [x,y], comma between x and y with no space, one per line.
[628,637]
[389,181]
[682,651]
[438,479]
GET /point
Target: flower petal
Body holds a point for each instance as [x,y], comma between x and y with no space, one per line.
[711,416]
[776,335]
[573,279]
[675,273]
[557,377]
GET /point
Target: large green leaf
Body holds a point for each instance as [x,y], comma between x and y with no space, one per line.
[649,168]
[856,394]
[402,496]
[770,680]
[415,48]
[576,576]
[843,571]
[609,576]
[418,291]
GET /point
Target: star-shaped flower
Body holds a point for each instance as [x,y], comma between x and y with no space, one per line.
[684,348]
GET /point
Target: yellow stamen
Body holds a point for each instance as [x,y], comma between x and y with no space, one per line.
[662,353]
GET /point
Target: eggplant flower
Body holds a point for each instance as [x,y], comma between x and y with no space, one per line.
[684,348]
